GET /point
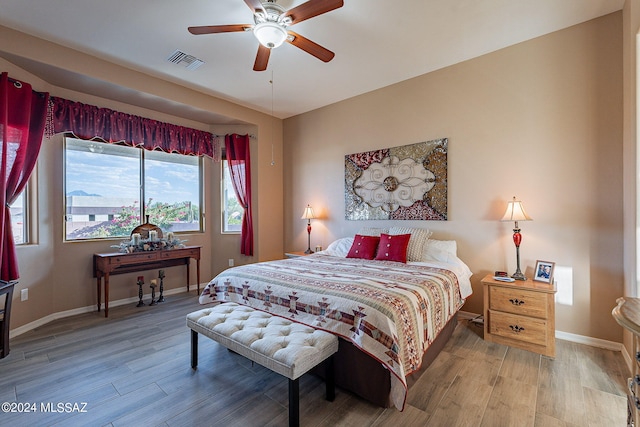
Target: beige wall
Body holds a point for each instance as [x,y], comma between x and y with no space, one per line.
[58,274]
[541,120]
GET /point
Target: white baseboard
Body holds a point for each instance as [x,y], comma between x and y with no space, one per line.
[579,339]
[593,342]
[465,315]
[68,313]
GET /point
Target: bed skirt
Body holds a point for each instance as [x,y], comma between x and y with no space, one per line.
[357,372]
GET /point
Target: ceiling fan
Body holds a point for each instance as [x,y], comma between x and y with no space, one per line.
[271,27]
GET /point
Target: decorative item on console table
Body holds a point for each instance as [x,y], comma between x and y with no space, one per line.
[520,314]
[148,237]
[153,292]
[161,277]
[145,230]
[140,283]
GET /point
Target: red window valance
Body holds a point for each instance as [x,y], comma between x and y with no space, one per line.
[90,122]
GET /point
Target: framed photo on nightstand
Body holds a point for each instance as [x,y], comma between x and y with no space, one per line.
[544,271]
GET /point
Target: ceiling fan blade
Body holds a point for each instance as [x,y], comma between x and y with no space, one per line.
[311,47]
[212,29]
[254,5]
[312,8]
[262,58]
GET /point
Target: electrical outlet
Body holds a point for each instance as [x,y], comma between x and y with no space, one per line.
[24,294]
[231,262]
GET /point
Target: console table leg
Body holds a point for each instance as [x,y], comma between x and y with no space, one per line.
[198,274]
[106,295]
[99,286]
[188,262]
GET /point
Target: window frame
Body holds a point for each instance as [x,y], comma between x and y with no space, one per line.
[29,206]
[141,196]
[223,200]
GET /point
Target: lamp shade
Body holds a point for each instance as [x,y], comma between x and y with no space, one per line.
[515,212]
[308,213]
[270,34]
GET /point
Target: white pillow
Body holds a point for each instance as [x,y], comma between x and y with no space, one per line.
[340,247]
[419,238]
[440,250]
[371,231]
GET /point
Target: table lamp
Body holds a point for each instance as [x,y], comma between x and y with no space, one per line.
[308,215]
[515,212]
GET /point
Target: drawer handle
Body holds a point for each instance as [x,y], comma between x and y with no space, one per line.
[516,328]
[516,301]
[638,356]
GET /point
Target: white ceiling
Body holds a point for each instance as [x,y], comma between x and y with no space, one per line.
[376,43]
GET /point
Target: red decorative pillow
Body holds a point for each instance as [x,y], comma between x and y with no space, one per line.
[364,247]
[393,247]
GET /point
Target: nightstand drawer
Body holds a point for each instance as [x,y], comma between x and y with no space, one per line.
[518,301]
[516,327]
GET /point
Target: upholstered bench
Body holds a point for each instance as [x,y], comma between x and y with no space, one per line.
[288,348]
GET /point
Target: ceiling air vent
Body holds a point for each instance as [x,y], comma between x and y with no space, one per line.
[190,62]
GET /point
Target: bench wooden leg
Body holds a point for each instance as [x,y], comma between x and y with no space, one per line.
[330,380]
[194,349]
[294,403]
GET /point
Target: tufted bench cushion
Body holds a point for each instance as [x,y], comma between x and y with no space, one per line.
[288,348]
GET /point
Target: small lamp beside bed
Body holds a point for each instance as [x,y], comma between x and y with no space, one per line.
[308,215]
[515,212]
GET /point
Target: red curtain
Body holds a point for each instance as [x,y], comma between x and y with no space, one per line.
[238,159]
[88,122]
[23,114]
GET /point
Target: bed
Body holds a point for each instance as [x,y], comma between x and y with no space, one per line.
[392,317]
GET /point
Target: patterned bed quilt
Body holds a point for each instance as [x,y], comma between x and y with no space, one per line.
[391,311]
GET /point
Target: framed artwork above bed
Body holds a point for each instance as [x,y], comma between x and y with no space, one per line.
[407,182]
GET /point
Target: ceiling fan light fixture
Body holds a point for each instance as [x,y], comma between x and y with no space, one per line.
[270,34]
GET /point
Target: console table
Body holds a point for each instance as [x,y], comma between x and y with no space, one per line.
[107,264]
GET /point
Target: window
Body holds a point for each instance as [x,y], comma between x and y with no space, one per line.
[20,219]
[231,210]
[104,184]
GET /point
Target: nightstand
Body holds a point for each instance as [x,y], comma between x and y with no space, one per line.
[295,254]
[520,314]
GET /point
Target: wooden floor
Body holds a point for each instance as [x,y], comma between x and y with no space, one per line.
[133,369]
